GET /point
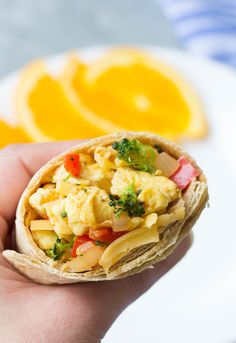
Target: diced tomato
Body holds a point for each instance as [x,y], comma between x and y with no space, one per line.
[72,164]
[104,234]
[80,240]
[185,174]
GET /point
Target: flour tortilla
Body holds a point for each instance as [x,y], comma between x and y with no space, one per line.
[31,261]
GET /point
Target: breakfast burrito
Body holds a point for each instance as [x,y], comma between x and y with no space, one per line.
[107,208]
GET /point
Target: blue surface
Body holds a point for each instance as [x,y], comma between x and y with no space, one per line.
[30,28]
[205,27]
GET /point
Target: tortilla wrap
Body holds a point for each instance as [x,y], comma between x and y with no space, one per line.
[32,262]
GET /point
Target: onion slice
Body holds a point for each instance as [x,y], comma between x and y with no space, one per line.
[121,223]
[167,164]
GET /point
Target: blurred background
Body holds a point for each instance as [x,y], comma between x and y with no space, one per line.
[30,29]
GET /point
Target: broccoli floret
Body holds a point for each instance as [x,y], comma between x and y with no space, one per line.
[128,202]
[63,214]
[137,155]
[59,249]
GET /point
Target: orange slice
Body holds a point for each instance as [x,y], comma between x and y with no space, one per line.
[44,110]
[136,92]
[11,135]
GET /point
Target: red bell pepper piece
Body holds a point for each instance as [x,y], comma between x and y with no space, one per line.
[80,240]
[104,234]
[72,164]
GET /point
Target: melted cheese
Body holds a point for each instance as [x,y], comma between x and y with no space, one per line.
[123,245]
[168,218]
[44,239]
[41,224]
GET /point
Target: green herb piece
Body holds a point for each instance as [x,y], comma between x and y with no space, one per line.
[127,202]
[100,244]
[67,177]
[85,190]
[137,155]
[158,148]
[81,255]
[59,249]
[63,214]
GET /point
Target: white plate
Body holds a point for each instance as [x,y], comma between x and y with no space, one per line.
[196,300]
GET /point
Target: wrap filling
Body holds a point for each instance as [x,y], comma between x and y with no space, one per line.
[97,207]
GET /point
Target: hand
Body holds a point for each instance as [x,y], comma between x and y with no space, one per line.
[30,312]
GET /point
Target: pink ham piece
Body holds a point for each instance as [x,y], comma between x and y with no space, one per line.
[185,174]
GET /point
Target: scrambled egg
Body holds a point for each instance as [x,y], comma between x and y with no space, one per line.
[54,210]
[156,191]
[90,174]
[42,196]
[61,174]
[97,176]
[87,207]
[84,207]
[105,157]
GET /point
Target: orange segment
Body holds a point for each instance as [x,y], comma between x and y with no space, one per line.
[45,112]
[136,92]
[11,135]
[75,72]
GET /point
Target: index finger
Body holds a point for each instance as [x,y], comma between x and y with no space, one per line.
[18,164]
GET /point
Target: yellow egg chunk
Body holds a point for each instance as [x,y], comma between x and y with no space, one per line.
[41,197]
[64,188]
[87,207]
[44,110]
[58,217]
[90,174]
[123,245]
[155,191]
[11,135]
[136,92]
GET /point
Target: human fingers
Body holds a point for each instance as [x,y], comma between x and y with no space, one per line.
[18,163]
